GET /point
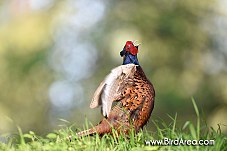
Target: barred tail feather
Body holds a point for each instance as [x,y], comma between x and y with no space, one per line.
[86,132]
[102,128]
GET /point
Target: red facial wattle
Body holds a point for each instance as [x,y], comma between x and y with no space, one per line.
[129,46]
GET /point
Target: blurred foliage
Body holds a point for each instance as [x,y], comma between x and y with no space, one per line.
[25,76]
[175,40]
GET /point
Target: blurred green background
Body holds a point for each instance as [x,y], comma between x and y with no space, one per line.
[54,54]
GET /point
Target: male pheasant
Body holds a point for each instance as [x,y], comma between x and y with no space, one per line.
[134,94]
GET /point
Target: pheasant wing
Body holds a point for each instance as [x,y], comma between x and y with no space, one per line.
[110,89]
[96,100]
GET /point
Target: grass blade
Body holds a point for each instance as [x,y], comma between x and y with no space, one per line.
[198,118]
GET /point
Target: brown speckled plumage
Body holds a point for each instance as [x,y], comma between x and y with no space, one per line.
[135,102]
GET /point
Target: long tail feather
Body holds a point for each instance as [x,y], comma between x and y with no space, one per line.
[86,132]
[101,128]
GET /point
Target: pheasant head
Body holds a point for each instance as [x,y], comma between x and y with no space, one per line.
[129,53]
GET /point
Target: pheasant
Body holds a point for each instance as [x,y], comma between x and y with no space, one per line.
[129,89]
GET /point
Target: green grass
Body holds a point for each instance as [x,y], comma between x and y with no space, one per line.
[58,140]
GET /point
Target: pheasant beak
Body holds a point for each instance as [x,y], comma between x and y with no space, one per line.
[136,43]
